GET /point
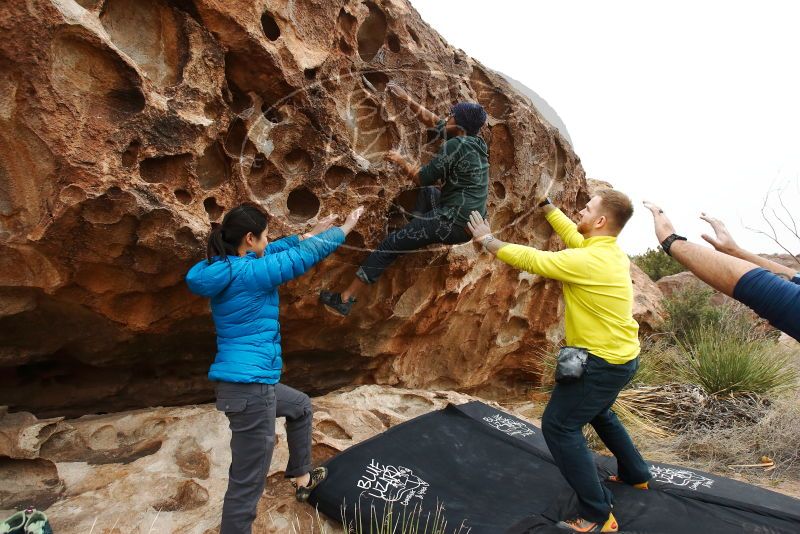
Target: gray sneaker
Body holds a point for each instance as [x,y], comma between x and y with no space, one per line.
[37,524]
[317,474]
[14,524]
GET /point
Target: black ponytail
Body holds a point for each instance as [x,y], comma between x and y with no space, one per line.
[225,239]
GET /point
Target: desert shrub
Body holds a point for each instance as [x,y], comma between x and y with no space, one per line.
[690,308]
[656,264]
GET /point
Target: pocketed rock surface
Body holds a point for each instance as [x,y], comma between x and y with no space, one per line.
[128,128]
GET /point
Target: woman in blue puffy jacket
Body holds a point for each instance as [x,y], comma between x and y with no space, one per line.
[241,276]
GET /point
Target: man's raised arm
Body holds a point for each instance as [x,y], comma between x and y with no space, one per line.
[723,242]
[427,117]
[564,227]
[564,265]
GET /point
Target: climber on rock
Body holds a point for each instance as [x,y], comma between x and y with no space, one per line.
[440,215]
[603,346]
[241,276]
[768,288]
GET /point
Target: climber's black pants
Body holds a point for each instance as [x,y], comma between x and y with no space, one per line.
[428,227]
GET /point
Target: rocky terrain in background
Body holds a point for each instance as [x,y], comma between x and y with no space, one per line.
[129,127]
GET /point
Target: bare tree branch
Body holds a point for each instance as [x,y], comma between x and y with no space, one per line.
[791,225]
[776,241]
[791,218]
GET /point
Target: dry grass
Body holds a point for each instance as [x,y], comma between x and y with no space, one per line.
[716,392]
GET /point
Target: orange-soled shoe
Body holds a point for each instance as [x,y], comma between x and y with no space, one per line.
[581,525]
[642,486]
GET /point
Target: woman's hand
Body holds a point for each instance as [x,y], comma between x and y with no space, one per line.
[323,224]
[352,219]
[478,227]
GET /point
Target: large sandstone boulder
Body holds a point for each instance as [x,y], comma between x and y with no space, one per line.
[675,283]
[648,305]
[165,469]
[129,127]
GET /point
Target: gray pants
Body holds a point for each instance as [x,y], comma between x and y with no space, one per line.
[251,411]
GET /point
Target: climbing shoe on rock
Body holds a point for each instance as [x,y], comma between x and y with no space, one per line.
[334,302]
[317,475]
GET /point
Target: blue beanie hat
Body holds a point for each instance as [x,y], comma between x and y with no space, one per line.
[469,116]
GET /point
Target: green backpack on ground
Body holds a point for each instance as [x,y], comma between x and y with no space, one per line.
[30,521]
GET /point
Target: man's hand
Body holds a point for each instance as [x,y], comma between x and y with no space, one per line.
[722,241]
[323,224]
[663,226]
[426,116]
[397,91]
[409,169]
[394,157]
[355,215]
[542,193]
[478,227]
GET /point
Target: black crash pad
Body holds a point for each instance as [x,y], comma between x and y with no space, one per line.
[493,473]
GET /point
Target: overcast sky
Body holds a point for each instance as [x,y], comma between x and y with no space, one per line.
[694,105]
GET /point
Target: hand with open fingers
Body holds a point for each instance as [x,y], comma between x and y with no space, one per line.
[324,224]
[663,226]
[354,215]
[478,226]
[723,240]
[542,193]
[397,91]
[394,157]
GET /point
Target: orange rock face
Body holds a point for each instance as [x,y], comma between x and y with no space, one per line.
[129,127]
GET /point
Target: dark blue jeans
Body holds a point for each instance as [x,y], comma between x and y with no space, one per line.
[589,400]
[427,227]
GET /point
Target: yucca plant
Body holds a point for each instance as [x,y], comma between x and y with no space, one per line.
[656,362]
[735,359]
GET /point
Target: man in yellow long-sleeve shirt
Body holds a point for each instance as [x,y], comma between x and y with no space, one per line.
[598,295]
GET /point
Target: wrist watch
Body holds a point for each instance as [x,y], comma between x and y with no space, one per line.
[544,202]
[487,239]
[667,243]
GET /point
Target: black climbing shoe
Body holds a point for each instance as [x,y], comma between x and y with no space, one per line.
[317,475]
[334,301]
